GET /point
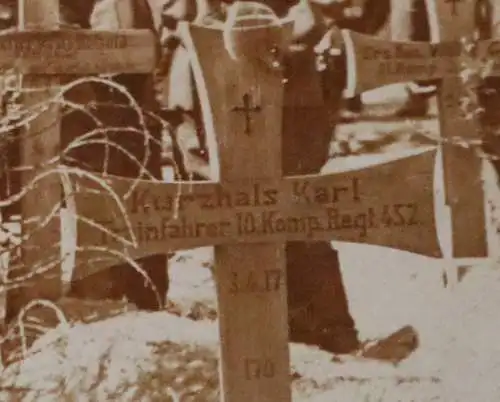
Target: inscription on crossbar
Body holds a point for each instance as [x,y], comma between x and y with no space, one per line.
[359,206]
[78,52]
[380,62]
[24,44]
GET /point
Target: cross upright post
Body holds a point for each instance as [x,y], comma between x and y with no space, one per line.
[40,52]
[462,165]
[40,144]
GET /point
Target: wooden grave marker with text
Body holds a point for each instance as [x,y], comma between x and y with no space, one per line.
[253,204]
[251,211]
[375,62]
[41,52]
[390,204]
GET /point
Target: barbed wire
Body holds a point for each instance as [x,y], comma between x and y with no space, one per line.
[20,117]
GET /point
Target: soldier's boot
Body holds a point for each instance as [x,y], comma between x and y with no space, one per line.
[318,309]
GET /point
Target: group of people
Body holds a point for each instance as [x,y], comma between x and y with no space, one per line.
[315,283]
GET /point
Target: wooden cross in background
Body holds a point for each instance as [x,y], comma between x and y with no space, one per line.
[40,51]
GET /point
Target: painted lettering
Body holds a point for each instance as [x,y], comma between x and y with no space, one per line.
[361,222]
[400,68]
[306,193]
[206,201]
[164,229]
[186,229]
[145,202]
[399,215]
[375,53]
[32,46]
[255,282]
[256,196]
[256,369]
[405,51]
[412,211]
[246,223]
[321,209]
[271,222]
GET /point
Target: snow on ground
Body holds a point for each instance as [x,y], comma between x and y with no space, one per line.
[141,356]
[135,353]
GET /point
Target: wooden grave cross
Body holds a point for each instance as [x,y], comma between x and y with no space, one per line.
[380,62]
[251,211]
[40,51]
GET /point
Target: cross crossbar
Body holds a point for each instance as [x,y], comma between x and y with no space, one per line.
[360,206]
[80,52]
[375,62]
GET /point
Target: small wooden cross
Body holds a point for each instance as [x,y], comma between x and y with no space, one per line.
[41,51]
[247,108]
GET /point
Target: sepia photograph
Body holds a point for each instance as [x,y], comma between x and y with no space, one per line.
[249,201]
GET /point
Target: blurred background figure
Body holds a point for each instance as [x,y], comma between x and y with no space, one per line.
[362,16]
[419,93]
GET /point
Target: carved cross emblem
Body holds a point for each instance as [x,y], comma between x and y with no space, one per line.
[247,108]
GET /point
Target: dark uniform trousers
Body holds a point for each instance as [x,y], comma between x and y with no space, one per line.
[318,306]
